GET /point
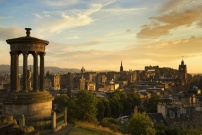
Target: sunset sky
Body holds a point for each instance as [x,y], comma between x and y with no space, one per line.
[98,34]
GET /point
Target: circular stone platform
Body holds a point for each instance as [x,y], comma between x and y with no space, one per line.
[35,104]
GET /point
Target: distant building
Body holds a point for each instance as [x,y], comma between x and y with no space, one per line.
[82,83]
[52,81]
[91,86]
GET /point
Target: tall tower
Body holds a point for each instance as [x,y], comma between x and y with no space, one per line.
[183,72]
[35,102]
[82,80]
[121,67]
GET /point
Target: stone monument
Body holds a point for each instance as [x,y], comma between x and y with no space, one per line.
[35,102]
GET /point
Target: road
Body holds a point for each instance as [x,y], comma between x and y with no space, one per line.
[64,131]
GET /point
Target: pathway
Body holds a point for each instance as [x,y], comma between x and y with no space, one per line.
[64,131]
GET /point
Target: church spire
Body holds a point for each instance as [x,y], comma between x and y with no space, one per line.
[121,67]
[182,62]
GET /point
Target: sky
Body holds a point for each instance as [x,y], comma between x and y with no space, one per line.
[99,34]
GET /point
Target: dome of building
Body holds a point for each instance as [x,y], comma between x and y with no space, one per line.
[82,70]
[194,88]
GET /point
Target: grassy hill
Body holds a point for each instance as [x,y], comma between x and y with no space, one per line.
[83,128]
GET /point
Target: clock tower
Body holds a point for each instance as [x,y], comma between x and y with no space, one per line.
[183,72]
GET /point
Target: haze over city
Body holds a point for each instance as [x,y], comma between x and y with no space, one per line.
[99,34]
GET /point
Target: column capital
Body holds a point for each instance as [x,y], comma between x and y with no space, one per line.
[25,53]
[42,53]
[35,52]
[13,53]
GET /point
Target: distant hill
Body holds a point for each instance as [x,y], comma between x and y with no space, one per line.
[6,69]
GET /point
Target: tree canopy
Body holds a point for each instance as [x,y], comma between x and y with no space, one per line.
[141,124]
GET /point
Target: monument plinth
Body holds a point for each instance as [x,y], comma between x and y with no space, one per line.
[35,102]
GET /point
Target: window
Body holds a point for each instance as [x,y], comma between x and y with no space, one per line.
[178,114]
[171,114]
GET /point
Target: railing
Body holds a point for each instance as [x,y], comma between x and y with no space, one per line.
[60,119]
[41,123]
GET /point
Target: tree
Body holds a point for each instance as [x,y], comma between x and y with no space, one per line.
[101,109]
[141,124]
[123,103]
[111,123]
[160,129]
[151,104]
[175,131]
[141,109]
[107,111]
[133,99]
[85,106]
[60,102]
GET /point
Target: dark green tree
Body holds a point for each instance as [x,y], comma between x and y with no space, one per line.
[160,129]
[141,124]
[174,131]
[133,99]
[60,102]
[101,109]
[151,104]
[107,111]
[85,106]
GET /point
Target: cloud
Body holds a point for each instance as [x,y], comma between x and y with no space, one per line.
[57,21]
[10,32]
[120,10]
[172,4]
[128,30]
[163,51]
[60,48]
[94,42]
[38,16]
[62,22]
[7,17]
[161,25]
[60,3]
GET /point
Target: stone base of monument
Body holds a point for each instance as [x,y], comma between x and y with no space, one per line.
[29,104]
[33,108]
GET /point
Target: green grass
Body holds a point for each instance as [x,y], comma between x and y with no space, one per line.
[84,131]
[82,128]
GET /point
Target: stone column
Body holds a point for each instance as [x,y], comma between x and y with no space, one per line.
[42,71]
[12,71]
[14,79]
[25,55]
[35,71]
[16,72]
[22,121]
[53,115]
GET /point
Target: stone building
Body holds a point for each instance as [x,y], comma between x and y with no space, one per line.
[52,81]
[186,113]
[66,82]
[55,80]
[91,86]
[82,83]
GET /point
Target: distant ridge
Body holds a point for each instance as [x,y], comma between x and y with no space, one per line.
[6,68]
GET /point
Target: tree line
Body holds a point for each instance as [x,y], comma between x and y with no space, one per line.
[88,107]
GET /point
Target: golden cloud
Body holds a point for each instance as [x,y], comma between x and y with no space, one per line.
[172,4]
[161,25]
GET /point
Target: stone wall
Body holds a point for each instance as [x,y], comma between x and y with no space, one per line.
[36,109]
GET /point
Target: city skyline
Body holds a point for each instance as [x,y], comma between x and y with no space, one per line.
[100,34]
